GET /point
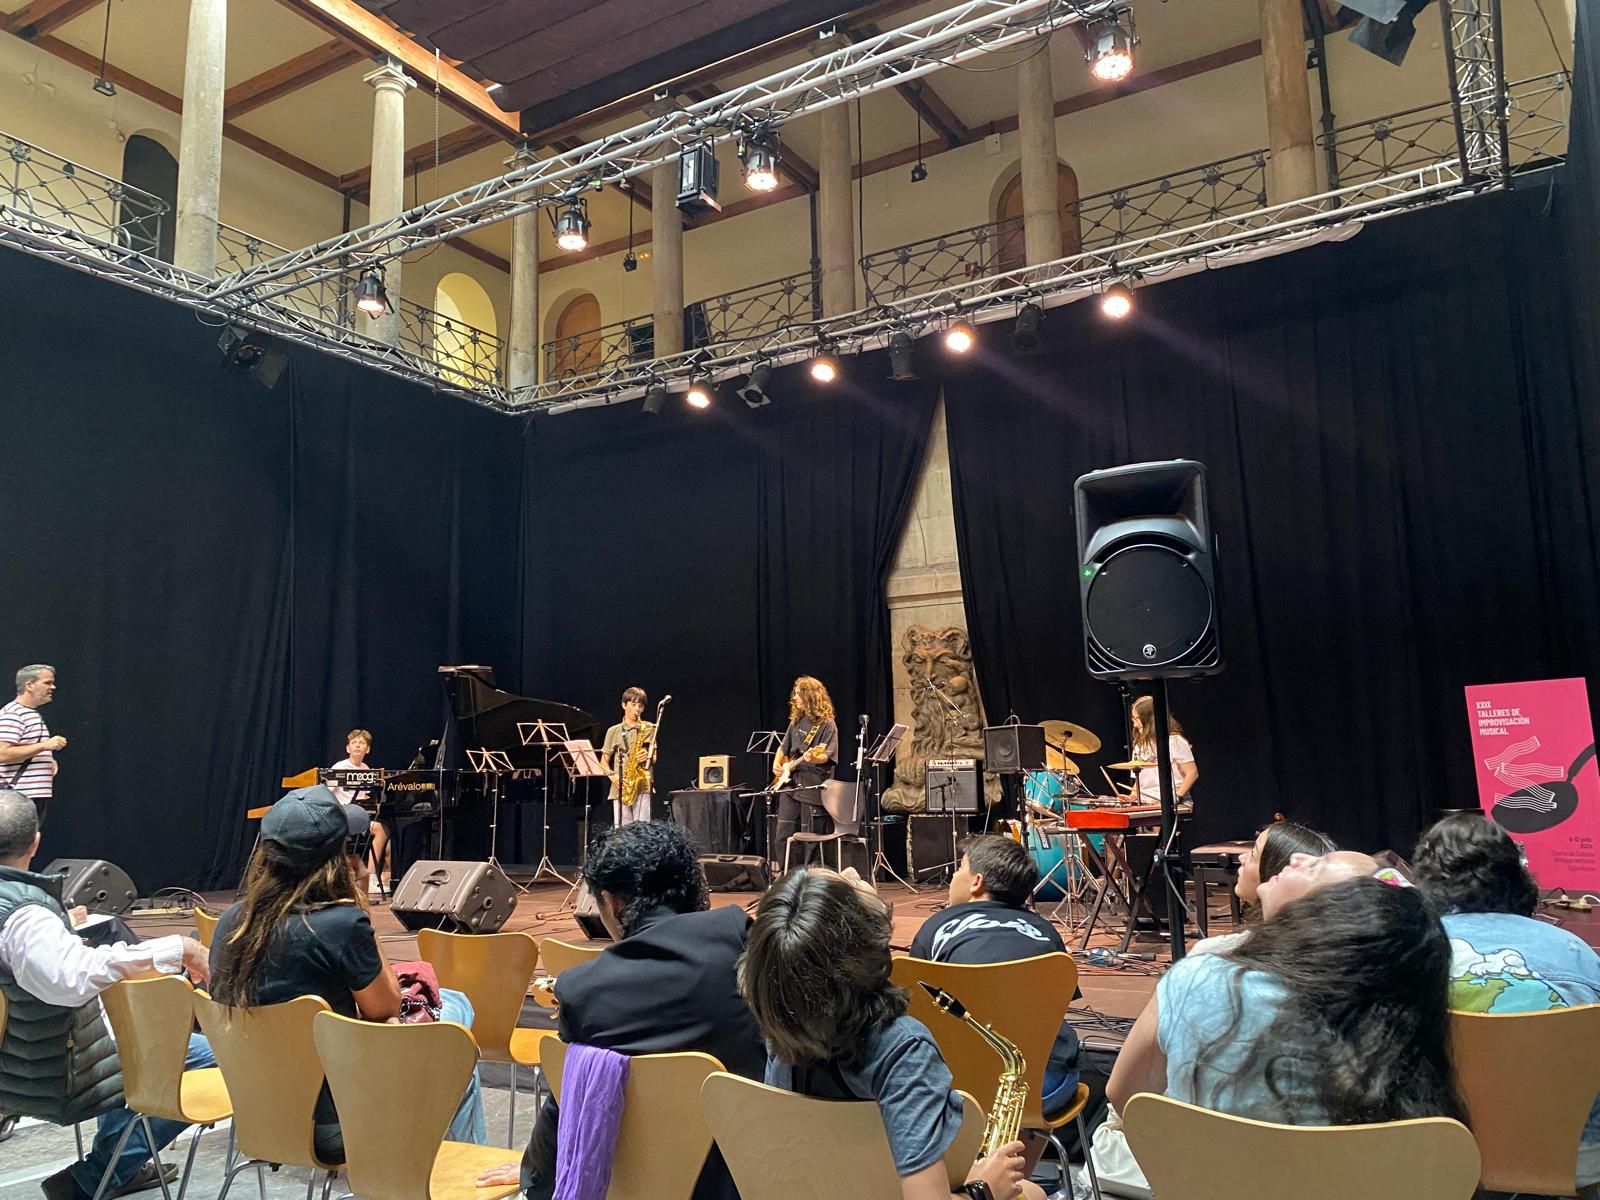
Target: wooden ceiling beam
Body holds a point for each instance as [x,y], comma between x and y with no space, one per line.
[288,77]
[922,98]
[35,20]
[349,22]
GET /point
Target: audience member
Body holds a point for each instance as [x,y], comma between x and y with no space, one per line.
[302,929]
[57,1059]
[816,975]
[1274,846]
[987,921]
[1331,1012]
[667,983]
[1503,960]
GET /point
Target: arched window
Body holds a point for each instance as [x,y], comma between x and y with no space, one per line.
[575,350]
[150,167]
[1009,247]
[463,313]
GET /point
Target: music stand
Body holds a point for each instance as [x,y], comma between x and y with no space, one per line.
[582,762]
[491,764]
[882,754]
[765,742]
[546,735]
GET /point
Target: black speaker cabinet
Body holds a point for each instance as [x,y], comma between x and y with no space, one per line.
[1010,749]
[954,785]
[1148,579]
[735,872]
[98,885]
[931,844]
[459,897]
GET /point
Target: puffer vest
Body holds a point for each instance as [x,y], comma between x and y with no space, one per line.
[57,1064]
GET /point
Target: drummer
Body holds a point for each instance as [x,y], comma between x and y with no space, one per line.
[1184,768]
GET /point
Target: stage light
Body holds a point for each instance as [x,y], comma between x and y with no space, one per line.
[697,180]
[572,226]
[1025,336]
[1111,43]
[824,367]
[700,390]
[759,154]
[901,345]
[1117,301]
[919,172]
[371,298]
[960,337]
[754,392]
[655,395]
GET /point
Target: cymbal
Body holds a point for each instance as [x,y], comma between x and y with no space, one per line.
[1054,760]
[1070,738]
[1130,766]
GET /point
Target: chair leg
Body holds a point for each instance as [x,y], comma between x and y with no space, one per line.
[155,1157]
[327,1184]
[188,1166]
[232,1173]
[1088,1157]
[511,1122]
[77,1133]
[105,1176]
[261,1182]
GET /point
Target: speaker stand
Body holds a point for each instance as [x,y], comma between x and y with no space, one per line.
[1169,825]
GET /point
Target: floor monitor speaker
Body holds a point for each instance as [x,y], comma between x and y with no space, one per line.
[735,872]
[458,897]
[96,884]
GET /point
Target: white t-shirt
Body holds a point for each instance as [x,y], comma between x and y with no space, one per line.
[1150,781]
[345,795]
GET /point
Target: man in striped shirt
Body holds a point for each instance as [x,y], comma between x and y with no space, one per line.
[27,750]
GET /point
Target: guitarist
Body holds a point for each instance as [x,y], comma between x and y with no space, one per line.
[807,758]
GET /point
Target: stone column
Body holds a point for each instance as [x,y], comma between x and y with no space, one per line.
[387,193]
[200,138]
[1292,168]
[666,257]
[522,340]
[1572,19]
[836,227]
[1036,131]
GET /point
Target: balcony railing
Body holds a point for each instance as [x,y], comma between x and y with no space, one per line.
[600,349]
[38,185]
[464,354]
[776,304]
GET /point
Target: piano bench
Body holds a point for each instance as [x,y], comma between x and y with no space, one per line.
[1216,863]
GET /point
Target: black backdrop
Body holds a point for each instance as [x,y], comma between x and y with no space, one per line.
[1401,460]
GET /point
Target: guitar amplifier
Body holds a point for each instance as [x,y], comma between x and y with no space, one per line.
[953,785]
[713,771]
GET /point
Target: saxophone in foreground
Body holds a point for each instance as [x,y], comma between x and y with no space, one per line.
[1005,1114]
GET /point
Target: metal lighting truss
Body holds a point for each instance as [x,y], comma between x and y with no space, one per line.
[966,30]
[1476,66]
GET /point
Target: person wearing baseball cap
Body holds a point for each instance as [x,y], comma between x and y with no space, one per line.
[303,929]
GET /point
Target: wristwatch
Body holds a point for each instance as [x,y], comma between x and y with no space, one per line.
[978,1190]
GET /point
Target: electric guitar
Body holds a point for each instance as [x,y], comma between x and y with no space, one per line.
[786,771]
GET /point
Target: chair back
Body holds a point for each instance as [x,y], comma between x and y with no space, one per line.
[389,1080]
[494,970]
[782,1146]
[664,1138]
[1529,1081]
[1023,1001]
[273,1074]
[842,802]
[557,955]
[1190,1153]
[205,926]
[152,1020]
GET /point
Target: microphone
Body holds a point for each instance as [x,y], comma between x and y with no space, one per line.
[949,703]
[863,718]
[667,699]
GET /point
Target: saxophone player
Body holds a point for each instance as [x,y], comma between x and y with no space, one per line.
[630,745]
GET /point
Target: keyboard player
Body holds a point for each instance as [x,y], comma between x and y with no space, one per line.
[357,745]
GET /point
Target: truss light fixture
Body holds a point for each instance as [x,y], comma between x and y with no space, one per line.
[1111,43]
[700,390]
[1116,301]
[698,176]
[1025,334]
[759,152]
[572,226]
[754,391]
[371,297]
[824,366]
[960,336]
[655,395]
[901,346]
[104,86]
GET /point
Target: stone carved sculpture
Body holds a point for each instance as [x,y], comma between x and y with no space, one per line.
[936,660]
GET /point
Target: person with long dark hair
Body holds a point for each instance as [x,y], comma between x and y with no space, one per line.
[806,759]
[1331,1012]
[815,972]
[1185,771]
[1275,846]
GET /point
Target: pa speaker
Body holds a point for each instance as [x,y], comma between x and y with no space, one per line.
[99,886]
[713,771]
[1009,749]
[459,897]
[1148,579]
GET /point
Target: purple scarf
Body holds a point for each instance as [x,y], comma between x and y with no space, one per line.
[591,1117]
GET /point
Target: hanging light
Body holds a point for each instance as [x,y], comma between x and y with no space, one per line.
[655,395]
[754,392]
[901,346]
[1025,334]
[371,298]
[1117,301]
[824,366]
[572,226]
[1111,43]
[700,389]
[960,337]
[759,154]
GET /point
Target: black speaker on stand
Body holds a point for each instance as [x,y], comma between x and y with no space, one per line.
[1150,590]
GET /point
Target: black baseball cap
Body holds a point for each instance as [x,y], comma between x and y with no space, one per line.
[311,822]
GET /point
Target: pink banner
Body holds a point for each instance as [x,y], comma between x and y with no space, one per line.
[1533,746]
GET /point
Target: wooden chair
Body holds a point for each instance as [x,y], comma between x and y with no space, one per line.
[557,955]
[782,1146]
[1529,1081]
[1190,1153]
[205,926]
[397,1088]
[664,1139]
[273,1074]
[152,1020]
[494,970]
[1024,1001]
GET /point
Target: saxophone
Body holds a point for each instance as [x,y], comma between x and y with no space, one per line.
[1005,1114]
[635,774]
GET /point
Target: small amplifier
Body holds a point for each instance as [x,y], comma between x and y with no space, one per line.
[713,771]
[952,785]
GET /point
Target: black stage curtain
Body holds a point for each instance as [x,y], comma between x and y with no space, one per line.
[716,555]
[1400,460]
[1582,199]
[228,578]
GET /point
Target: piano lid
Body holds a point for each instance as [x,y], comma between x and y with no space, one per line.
[487,717]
